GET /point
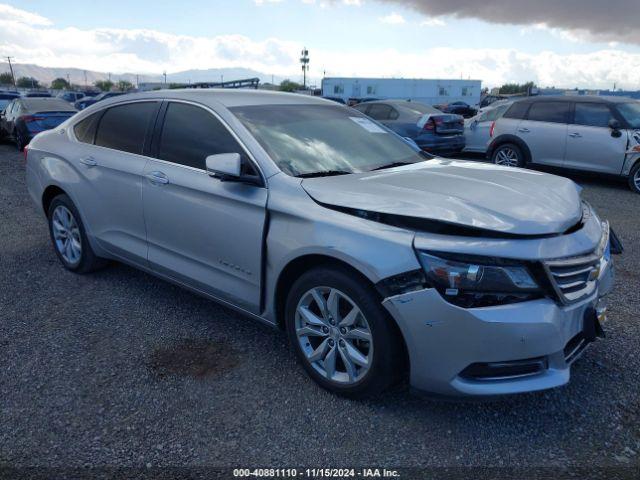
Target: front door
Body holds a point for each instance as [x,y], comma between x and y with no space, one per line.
[203,232]
[591,144]
[545,131]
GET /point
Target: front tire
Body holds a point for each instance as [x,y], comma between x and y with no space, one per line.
[508,155]
[20,143]
[634,178]
[341,334]
[69,237]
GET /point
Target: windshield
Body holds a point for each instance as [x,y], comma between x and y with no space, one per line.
[4,102]
[307,139]
[631,113]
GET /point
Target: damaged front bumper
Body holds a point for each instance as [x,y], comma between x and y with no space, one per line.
[515,348]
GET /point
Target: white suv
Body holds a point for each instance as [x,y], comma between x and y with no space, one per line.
[599,134]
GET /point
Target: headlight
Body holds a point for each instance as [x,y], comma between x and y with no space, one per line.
[478,282]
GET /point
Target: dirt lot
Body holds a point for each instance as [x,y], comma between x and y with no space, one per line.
[119,368]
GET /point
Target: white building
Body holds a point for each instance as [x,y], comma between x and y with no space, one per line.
[429,91]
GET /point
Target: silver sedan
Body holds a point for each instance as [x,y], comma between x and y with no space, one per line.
[378,260]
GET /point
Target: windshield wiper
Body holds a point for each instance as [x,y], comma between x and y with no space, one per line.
[392,165]
[323,173]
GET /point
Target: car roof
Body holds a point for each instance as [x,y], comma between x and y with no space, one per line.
[225,96]
[46,103]
[576,98]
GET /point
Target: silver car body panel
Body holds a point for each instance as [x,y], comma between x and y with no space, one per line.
[232,242]
[521,202]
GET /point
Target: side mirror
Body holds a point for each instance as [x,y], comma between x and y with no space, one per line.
[614,125]
[225,166]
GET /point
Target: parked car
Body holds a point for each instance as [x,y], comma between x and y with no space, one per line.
[477,129]
[304,214]
[458,108]
[37,94]
[598,134]
[432,130]
[487,100]
[6,98]
[23,118]
[71,97]
[88,101]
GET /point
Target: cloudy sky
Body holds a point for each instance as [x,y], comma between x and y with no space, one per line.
[567,43]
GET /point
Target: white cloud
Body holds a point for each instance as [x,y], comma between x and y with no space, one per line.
[17,15]
[433,22]
[393,19]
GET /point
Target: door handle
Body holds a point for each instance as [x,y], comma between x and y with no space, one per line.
[88,161]
[575,135]
[524,130]
[157,178]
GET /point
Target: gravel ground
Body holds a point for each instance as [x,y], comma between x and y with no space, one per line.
[119,368]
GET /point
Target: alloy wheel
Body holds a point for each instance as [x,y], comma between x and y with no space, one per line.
[66,234]
[507,157]
[334,335]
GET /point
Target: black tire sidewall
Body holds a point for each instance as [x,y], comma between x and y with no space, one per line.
[87,258]
[19,141]
[513,147]
[632,174]
[386,365]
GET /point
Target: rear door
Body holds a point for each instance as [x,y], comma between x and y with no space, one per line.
[202,231]
[590,143]
[110,167]
[545,131]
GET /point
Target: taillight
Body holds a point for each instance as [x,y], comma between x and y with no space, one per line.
[493,127]
[430,125]
[25,151]
[31,118]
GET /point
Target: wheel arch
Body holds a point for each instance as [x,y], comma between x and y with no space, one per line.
[296,267]
[49,194]
[507,138]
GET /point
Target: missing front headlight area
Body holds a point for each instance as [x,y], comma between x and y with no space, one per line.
[471,282]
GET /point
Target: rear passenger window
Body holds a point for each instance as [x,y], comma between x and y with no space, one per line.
[552,112]
[85,130]
[518,110]
[124,127]
[592,114]
[190,134]
[380,112]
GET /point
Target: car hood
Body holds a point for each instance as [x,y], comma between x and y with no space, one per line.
[469,194]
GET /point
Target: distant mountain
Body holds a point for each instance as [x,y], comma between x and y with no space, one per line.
[88,77]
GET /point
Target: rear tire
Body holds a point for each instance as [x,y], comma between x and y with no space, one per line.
[353,348]
[634,178]
[69,238]
[508,155]
[19,140]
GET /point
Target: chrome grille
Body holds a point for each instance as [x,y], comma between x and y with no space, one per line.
[575,278]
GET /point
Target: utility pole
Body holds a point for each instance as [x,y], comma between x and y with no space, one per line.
[13,77]
[165,77]
[304,60]
[85,78]
[137,80]
[68,80]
